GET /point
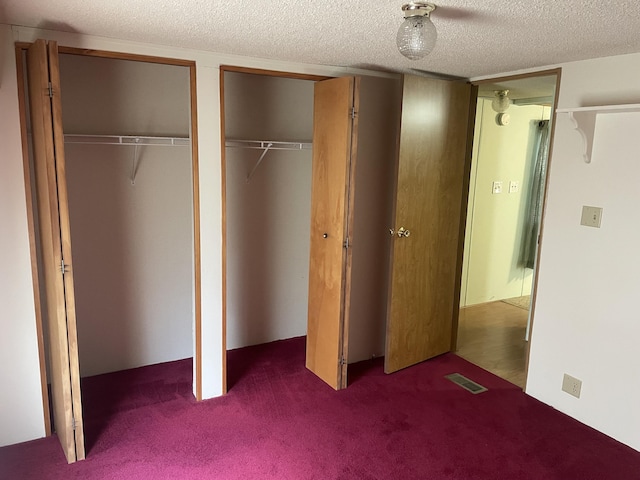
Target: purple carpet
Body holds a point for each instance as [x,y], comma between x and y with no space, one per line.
[280,422]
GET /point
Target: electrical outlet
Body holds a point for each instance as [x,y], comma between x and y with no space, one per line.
[514,186]
[591,216]
[496,187]
[571,385]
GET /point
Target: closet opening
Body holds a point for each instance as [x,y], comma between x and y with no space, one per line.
[267,128]
[127,201]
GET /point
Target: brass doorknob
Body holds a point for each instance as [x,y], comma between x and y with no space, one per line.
[402,232]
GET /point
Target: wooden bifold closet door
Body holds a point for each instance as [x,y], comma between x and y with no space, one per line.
[332,195]
[55,245]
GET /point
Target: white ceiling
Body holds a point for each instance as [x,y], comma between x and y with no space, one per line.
[474,38]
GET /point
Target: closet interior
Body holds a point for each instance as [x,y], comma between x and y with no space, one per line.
[269,150]
[128,165]
[268,130]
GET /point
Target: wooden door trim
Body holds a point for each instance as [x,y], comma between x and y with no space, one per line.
[542,73]
[520,76]
[223,174]
[23,46]
[35,272]
[272,73]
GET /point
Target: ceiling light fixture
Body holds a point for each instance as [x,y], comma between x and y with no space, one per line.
[501,103]
[417,35]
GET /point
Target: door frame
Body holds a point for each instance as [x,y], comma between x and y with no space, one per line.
[223,175]
[542,73]
[20,48]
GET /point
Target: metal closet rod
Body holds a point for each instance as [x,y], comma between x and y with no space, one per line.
[128,140]
[268,144]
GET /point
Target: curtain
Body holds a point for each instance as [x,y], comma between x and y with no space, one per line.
[536,194]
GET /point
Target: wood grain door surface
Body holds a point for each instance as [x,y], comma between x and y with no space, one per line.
[332,196]
[55,245]
[429,204]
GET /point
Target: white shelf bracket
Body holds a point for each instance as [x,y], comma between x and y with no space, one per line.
[584,121]
[585,124]
[255,167]
[134,163]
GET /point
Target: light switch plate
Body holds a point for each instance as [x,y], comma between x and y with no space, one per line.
[591,216]
[496,187]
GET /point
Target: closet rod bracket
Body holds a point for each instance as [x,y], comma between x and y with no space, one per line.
[134,162]
[255,167]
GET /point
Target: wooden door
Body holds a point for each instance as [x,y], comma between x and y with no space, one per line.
[55,245]
[332,197]
[425,260]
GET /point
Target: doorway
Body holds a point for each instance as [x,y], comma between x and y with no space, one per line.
[506,195]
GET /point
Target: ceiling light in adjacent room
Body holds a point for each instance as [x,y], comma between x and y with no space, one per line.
[417,35]
[501,103]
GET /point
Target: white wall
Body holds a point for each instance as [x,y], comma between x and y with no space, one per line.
[493,268]
[132,255]
[20,396]
[269,218]
[135,98]
[25,418]
[585,321]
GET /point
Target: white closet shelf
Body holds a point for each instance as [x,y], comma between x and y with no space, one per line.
[128,140]
[584,121]
[268,144]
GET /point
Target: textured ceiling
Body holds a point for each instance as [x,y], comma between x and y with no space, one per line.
[474,38]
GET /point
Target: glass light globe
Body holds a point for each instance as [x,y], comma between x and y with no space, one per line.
[416,37]
[501,103]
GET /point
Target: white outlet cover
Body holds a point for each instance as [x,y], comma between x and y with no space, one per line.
[496,187]
[591,216]
[514,186]
[571,385]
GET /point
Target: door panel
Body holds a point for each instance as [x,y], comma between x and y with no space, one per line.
[334,153]
[430,182]
[54,236]
[65,238]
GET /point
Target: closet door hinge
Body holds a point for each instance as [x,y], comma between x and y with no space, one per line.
[64,268]
[346,243]
[342,361]
[50,89]
[353,112]
[73,423]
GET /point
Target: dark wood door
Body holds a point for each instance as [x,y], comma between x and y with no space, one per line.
[425,260]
